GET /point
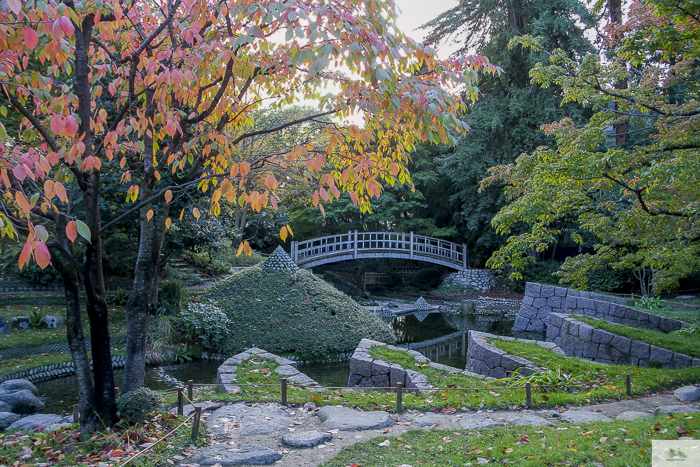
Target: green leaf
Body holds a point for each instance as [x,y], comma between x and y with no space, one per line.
[83,230]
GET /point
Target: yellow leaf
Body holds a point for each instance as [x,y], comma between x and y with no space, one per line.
[290,230]
[167,223]
[196,213]
[181,213]
[240,249]
[283,234]
[149,214]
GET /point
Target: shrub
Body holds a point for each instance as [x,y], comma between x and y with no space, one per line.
[425,279]
[170,295]
[208,323]
[540,272]
[120,254]
[135,405]
[215,265]
[285,313]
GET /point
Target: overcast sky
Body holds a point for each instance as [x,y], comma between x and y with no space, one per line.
[415,13]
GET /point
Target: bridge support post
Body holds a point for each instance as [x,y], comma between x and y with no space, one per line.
[354,253]
[464,256]
[411,246]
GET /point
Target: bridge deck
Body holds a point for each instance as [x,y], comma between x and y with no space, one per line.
[359,245]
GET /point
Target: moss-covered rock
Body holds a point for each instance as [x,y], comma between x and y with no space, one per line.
[297,313]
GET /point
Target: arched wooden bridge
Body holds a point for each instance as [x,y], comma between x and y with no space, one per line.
[360,245]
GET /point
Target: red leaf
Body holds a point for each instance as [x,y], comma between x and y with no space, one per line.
[15,5]
[31,38]
[57,124]
[24,256]
[70,126]
[67,26]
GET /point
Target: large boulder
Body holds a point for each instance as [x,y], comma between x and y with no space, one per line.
[22,401]
[53,322]
[288,311]
[5,407]
[36,421]
[7,419]
[17,385]
[20,322]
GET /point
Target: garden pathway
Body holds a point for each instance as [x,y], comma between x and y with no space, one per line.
[253,434]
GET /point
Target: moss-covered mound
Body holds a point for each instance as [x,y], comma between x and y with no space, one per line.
[297,313]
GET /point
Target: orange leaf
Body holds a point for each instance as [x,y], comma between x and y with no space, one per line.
[196,213]
[314,200]
[24,256]
[72,231]
[61,192]
[234,170]
[240,249]
[70,126]
[168,196]
[42,255]
[49,191]
[335,192]
[274,202]
[245,168]
[247,249]
[149,214]
[167,223]
[31,38]
[23,203]
[324,194]
[271,182]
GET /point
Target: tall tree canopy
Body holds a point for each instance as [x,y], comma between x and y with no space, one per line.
[636,202]
[165,92]
[507,118]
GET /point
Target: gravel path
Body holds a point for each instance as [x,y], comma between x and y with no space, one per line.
[268,434]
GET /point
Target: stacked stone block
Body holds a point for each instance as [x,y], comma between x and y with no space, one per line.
[479,279]
[580,339]
[488,360]
[226,374]
[541,300]
[368,372]
[279,260]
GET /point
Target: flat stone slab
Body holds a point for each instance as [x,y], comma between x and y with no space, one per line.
[687,393]
[225,455]
[478,421]
[425,421]
[306,439]
[669,409]
[528,420]
[344,419]
[632,415]
[583,416]
[242,420]
[33,421]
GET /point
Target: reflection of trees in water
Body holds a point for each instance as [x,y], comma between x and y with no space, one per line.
[408,329]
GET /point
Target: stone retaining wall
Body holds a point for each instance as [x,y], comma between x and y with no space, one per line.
[367,372]
[580,339]
[58,370]
[486,359]
[479,279]
[226,374]
[541,300]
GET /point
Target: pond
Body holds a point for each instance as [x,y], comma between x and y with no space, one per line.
[60,394]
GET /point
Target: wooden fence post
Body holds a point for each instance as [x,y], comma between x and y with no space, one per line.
[76,413]
[190,391]
[528,395]
[399,397]
[628,384]
[195,424]
[180,401]
[284,392]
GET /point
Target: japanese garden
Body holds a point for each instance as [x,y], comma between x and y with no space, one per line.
[349,233]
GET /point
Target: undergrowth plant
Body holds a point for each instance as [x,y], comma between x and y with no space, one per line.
[544,380]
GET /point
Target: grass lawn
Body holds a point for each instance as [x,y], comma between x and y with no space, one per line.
[620,443]
[33,337]
[687,345]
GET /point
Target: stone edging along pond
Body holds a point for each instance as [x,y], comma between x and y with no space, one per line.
[580,339]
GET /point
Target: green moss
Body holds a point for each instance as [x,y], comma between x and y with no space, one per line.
[616,444]
[285,313]
[687,345]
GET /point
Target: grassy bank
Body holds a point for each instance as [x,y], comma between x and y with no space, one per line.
[687,345]
[621,443]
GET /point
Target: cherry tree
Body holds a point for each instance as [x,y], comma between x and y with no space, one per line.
[165,92]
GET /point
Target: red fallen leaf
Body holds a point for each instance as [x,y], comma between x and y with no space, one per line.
[449,410]
[422,460]
[598,410]
[356,465]
[117,453]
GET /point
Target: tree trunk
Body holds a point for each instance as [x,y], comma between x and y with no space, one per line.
[68,268]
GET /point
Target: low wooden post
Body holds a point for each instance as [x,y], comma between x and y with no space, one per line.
[399,397]
[528,395]
[190,391]
[628,384]
[180,401]
[284,391]
[76,413]
[195,423]
[116,393]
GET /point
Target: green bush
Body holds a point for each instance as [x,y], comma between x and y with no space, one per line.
[208,323]
[135,405]
[214,265]
[341,284]
[120,254]
[540,272]
[31,272]
[170,294]
[284,313]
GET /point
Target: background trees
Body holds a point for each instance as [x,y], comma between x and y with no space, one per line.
[168,95]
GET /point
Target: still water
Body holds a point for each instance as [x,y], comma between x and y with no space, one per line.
[60,394]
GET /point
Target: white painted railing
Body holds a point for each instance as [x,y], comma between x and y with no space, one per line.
[358,245]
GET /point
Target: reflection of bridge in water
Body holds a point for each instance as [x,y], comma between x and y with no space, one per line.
[442,346]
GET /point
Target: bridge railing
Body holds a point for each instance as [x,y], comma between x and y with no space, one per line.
[359,244]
